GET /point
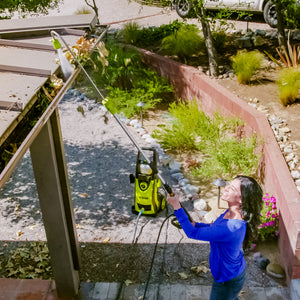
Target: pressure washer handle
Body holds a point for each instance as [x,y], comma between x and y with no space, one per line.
[168,189]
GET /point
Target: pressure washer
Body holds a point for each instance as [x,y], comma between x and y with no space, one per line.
[149,196]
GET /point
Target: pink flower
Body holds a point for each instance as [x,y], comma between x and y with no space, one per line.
[273,206]
[267,203]
[271,223]
[268,214]
[273,216]
[273,199]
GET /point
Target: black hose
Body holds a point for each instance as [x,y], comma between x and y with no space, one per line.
[153,256]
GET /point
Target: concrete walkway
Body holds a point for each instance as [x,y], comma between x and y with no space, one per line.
[32,289]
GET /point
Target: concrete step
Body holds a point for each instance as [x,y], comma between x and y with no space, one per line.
[114,291]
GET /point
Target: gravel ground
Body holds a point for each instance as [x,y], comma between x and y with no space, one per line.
[100,158]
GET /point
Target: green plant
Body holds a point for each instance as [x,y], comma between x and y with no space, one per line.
[223,152]
[289,84]
[184,126]
[29,261]
[229,157]
[219,40]
[126,101]
[269,219]
[245,64]
[131,33]
[121,69]
[128,82]
[83,11]
[184,42]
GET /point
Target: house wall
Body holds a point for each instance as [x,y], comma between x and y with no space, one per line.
[276,178]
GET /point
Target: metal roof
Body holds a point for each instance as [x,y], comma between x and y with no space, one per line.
[27,60]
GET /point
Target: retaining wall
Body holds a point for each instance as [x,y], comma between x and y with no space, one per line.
[190,83]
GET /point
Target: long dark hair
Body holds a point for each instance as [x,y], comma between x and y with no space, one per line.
[251,206]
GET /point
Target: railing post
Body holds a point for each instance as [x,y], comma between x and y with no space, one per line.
[48,162]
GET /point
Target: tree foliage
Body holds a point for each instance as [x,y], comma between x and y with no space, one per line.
[27,7]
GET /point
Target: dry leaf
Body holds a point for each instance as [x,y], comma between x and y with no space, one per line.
[19,233]
[106,240]
[78,226]
[202,269]
[183,275]
[128,282]
[84,195]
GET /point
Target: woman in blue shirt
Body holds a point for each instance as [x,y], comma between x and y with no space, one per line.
[228,235]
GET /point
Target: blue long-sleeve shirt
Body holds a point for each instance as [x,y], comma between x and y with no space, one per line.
[226,238]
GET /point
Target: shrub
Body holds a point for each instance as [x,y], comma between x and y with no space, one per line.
[269,219]
[213,139]
[120,71]
[127,81]
[150,89]
[131,33]
[180,133]
[219,39]
[289,85]
[184,43]
[245,64]
[229,157]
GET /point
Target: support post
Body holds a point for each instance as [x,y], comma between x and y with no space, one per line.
[47,157]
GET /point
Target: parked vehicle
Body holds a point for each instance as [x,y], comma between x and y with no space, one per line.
[267,7]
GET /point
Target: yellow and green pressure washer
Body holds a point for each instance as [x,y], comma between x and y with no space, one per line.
[149,196]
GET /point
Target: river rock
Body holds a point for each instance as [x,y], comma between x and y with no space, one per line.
[141,131]
[200,204]
[289,157]
[295,174]
[174,165]
[258,41]
[243,42]
[133,122]
[190,189]
[183,182]
[260,32]
[165,159]
[177,176]
[285,130]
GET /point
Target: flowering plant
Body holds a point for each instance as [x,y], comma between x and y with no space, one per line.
[269,218]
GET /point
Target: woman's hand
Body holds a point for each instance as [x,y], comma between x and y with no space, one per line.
[174,201]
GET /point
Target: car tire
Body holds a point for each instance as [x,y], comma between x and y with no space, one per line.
[270,15]
[183,8]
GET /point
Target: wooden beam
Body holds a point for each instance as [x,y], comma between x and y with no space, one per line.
[25,70]
[11,105]
[48,177]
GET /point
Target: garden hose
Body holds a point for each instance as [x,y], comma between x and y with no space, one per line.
[136,224]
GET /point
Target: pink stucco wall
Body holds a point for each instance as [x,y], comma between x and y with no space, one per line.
[190,83]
